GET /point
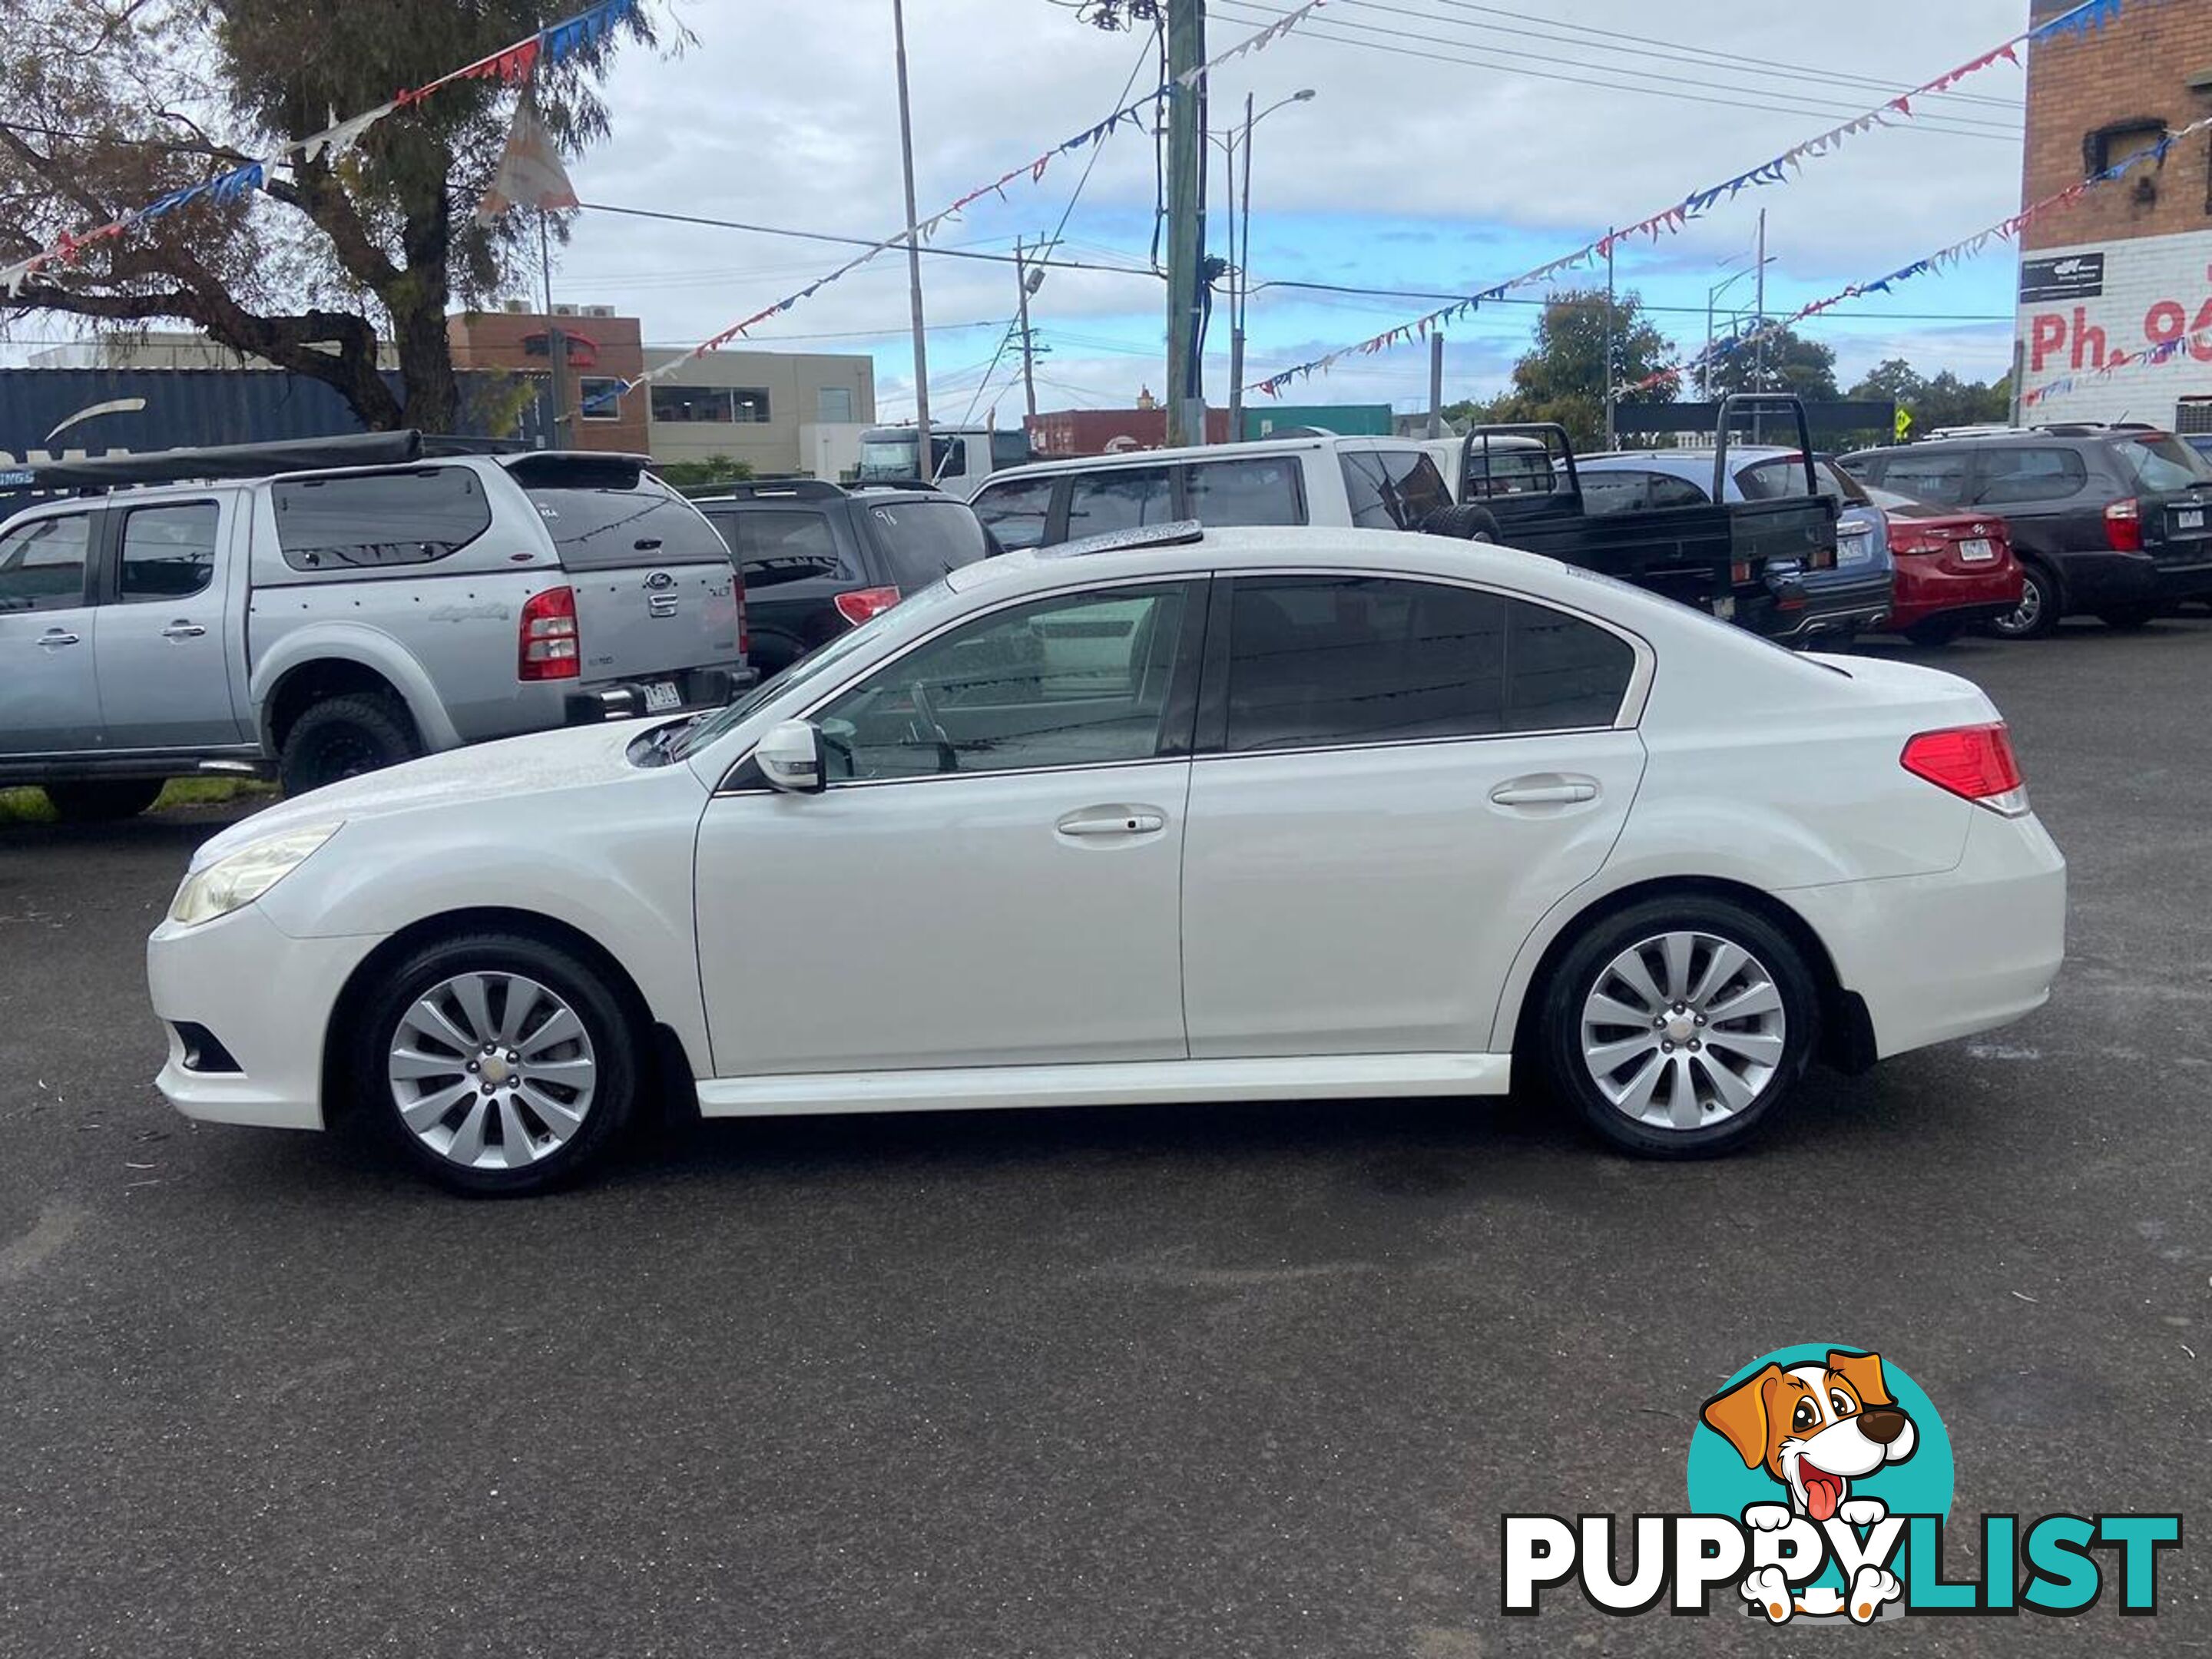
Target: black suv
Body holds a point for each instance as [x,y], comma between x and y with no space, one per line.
[2112,520]
[818,560]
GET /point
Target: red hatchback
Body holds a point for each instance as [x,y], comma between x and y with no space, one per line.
[1953,568]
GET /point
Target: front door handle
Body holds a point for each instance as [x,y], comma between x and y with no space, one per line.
[1114,821]
[54,638]
[181,629]
[1552,791]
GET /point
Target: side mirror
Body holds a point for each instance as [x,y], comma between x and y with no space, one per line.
[790,759]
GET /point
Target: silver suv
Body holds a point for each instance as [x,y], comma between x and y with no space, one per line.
[327,621]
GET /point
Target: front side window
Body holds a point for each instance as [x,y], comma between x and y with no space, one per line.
[1261,491]
[2011,474]
[1324,661]
[371,519]
[1126,498]
[42,564]
[777,547]
[1016,512]
[169,552]
[1075,680]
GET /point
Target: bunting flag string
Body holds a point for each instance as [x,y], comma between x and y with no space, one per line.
[511,65]
[1941,260]
[1033,170]
[1777,170]
[2193,346]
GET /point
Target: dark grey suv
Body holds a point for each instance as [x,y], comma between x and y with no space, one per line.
[2114,521]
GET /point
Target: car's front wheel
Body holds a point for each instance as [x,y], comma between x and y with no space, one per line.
[497,1064]
[1679,1026]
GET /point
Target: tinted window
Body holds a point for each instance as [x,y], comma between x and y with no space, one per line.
[1391,489]
[1318,660]
[1074,680]
[1016,512]
[1504,469]
[1936,475]
[1122,499]
[377,519]
[169,552]
[2019,473]
[1254,492]
[776,547]
[921,541]
[617,526]
[1631,489]
[42,564]
[2162,463]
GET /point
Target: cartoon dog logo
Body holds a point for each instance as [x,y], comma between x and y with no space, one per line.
[1816,1429]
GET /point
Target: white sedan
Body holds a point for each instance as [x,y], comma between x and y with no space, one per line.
[1230,815]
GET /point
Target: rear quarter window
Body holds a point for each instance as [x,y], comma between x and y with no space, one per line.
[372,520]
[2013,474]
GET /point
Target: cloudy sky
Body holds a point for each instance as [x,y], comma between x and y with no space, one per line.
[1449,146]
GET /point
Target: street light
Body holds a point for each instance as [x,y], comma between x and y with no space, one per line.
[1240,248]
[1712,296]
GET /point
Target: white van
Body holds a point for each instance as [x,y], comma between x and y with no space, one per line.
[1374,483]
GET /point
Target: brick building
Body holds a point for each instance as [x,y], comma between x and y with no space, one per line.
[2129,265]
[603,350]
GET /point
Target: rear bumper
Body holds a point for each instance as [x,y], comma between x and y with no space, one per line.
[1940,957]
[1967,595]
[626,700]
[2098,581]
[1829,606]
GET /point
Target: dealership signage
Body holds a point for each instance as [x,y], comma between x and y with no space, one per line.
[2084,309]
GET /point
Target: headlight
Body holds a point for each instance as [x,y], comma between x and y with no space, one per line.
[243,875]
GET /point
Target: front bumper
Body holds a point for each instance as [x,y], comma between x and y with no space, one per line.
[1945,955]
[626,700]
[265,997]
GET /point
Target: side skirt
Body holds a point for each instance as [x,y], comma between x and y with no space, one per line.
[1130,1083]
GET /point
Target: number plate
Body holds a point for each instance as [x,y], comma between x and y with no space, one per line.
[2188,518]
[1853,548]
[661,696]
[1724,608]
[1978,549]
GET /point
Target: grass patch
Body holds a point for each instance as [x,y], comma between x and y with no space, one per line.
[31,805]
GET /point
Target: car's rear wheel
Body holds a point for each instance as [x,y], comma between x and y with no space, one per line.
[2040,606]
[1937,630]
[344,737]
[103,801]
[1678,1027]
[1465,522]
[497,1064]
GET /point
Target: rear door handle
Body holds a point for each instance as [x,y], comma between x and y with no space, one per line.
[1545,792]
[54,637]
[181,629]
[1114,821]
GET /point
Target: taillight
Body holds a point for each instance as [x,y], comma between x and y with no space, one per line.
[1974,762]
[2124,525]
[1740,573]
[548,644]
[1903,543]
[860,603]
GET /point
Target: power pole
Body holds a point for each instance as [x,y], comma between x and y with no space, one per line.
[1609,397]
[1029,340]
[1240,259]
[1186,111]
[1759,345]
[556,343]
[925,466]
[1436,383]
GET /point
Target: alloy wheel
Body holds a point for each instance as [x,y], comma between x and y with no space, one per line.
[2029,613]
[1683,1030]
[491,1071]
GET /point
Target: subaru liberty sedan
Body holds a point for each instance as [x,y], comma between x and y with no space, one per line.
[1176,815]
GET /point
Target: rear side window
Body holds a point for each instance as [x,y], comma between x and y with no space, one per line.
[1936,475]
[2162,463]
[613,527]
[169,552]
[1632,490]
[42,564]
[1391,489]
[921,541]
[2013,474]
[1261,491]
[1016,512]
[777,547]
[1126,498]
[1322,661]
[372,520]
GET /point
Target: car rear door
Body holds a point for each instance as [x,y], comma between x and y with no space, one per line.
[49,688]
[1395,779]
[656,589]
[168,647]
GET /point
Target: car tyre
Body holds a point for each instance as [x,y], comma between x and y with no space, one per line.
[2041,606]
[103,801]
[535,1107]
[344,737]
[2127,616]
[1465,522]
[1935,631]
[1725,1018]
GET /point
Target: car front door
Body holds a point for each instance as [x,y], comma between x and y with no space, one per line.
[991,876]
[49,689]
[1395,779]
[164,654]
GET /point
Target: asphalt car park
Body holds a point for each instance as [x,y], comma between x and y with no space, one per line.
[1239,1380]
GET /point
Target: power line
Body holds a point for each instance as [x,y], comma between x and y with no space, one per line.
[1310,31]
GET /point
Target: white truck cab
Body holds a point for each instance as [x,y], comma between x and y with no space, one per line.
[961,456]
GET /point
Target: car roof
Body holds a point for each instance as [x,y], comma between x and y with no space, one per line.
[1256,448]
